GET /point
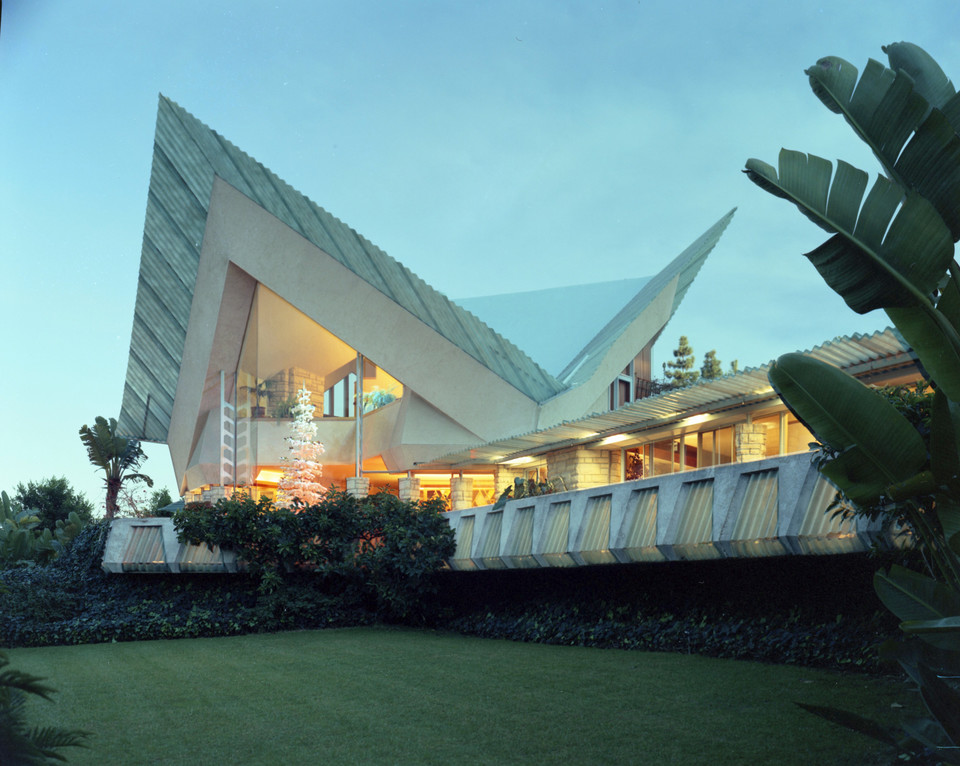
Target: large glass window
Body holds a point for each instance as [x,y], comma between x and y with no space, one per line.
[798,437]
[772,425]
[284,350]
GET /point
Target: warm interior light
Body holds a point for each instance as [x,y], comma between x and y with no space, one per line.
[588,435]
[266,476]
[696,419]
[614,439]
[519,460]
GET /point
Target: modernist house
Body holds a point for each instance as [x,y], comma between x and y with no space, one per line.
[248,291]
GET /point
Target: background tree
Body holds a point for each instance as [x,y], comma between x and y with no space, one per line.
[53,500]
[159,498]
[711,367]
[680,372]
[119,457]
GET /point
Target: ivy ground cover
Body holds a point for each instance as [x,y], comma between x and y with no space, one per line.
[377,695]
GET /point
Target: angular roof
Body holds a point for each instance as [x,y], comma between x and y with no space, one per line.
[856,354]
[574,314]
[187,155]
[684,268]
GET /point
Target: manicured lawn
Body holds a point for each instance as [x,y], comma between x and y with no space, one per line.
[370,695]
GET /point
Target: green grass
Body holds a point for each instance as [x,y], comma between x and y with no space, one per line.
[371,695]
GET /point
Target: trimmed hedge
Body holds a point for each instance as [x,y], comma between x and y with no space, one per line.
[812,611]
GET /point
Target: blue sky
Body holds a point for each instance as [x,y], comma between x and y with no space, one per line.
[490,147]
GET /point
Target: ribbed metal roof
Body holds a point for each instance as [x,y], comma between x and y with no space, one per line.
[187,156]
[855,353]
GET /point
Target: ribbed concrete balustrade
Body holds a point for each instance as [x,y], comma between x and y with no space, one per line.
[770,507]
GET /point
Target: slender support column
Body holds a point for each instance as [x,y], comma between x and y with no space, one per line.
[358,412]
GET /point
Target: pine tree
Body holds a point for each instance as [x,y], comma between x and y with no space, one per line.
[302,470]
[680,372]
[711,367]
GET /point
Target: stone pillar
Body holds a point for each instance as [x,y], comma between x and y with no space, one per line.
[358,486]
[581,468]
[409,490]
[750,440]
[212,494]
[461,493]
[504,477]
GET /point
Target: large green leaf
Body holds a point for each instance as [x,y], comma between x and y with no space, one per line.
[946,630]
[912,596]
[931,82]
[890,111]
[928,333]
[943,701]
[879,447]
[944,454]
[891,249]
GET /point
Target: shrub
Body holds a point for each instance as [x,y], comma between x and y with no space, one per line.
[379,551]
[54,500]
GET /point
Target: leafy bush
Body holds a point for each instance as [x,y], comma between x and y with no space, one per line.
[342,562]
[783,638]
[23,539]
[378,551]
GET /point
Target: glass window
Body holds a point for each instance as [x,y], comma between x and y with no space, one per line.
[798,437]
[688,453]
[663,457]
[633,467]
[724,446]
[708,449]
[772,425]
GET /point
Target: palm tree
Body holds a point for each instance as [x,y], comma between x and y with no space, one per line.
[18,743]
[118,456]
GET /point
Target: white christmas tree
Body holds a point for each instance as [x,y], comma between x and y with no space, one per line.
[302,469]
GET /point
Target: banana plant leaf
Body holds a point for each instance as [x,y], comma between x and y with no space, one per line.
[947,627]
[931,81]
[929,733]
[912,652]
[914,597]
[943,701]
[879,447]
[944,454]
[891,250]
[934,339]
[917,146]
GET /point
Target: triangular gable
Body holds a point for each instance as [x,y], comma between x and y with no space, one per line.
[574,316]
[187,157]
[683,269]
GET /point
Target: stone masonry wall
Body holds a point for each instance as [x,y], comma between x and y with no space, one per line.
[750,441]
[580,467]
